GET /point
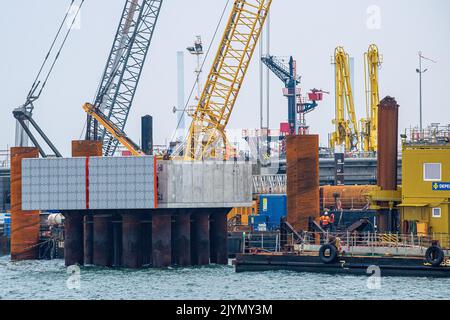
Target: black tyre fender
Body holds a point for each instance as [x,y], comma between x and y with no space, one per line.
[434,256]
[333,253]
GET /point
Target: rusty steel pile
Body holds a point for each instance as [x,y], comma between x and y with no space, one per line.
[302,180]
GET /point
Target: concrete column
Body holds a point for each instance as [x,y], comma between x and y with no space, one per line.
[219,238]
[200,239]
[24,224]
[73,238]
[161,239]
[182,239]
[88,233]
[131,240]
[103,240]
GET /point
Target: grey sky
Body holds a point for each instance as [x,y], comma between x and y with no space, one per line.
[309,30]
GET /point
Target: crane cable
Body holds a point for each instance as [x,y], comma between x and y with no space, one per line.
[201,68]
[31,97]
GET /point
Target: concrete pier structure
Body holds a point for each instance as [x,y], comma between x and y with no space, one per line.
[133,211]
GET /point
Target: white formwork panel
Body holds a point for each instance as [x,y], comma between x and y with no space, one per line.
[162,181]
[53,184]
[121,183]
[229,182]
[208,183]
[204,184]
[219,189]
[114,183]
[198,171]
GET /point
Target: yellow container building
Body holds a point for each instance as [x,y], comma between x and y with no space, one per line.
[426,187]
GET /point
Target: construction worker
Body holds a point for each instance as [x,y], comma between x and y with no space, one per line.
[325,221]
[332,218]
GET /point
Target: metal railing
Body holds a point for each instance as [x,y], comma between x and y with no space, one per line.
[269,184]
[269,242]
[351,243]
[4,159]
[434,134]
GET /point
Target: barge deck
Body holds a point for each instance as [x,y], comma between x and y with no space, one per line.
[350,265]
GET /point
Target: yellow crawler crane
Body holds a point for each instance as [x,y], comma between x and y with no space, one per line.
[372,63]
[346,129]
[207,137]
[112,129]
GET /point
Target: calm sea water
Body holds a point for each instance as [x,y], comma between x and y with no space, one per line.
[49,280]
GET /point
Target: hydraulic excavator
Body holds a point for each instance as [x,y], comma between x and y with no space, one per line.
[346,125]
[369,125]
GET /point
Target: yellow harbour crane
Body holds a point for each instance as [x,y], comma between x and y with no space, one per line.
[346,124]
[207,137]
[372,63]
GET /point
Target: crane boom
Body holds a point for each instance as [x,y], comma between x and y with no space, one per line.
[112,129]
[372,63]
[346,129]
[288,74]
[225,79]
[123,70]
[24,113]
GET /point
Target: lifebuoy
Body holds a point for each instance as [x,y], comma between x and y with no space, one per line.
[331,257]
[434,256]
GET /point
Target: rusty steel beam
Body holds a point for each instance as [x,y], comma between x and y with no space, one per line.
[73,238]
[88,235]
[303,195]
[200,241]
[86,148]
[388,112]
[181,236]
[131,240]
[146,232]
[388,144]
[219,237]
[161,239]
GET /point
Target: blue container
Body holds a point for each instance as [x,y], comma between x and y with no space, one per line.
[7,225]
[275,207]
[259,222]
